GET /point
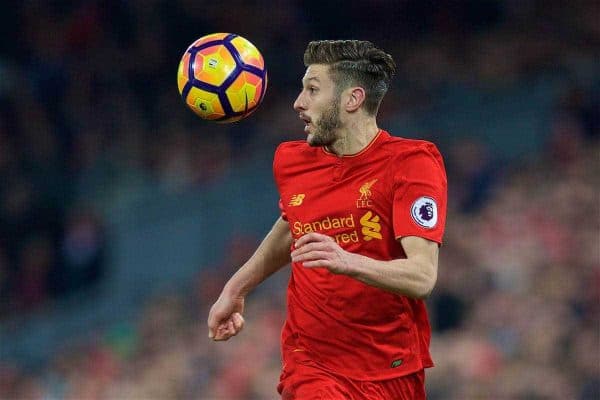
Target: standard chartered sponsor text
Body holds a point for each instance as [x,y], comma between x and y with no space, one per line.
[327,224]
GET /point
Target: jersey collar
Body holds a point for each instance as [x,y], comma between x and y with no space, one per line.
[379,137]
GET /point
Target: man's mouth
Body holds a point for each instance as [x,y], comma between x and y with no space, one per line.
[307,122]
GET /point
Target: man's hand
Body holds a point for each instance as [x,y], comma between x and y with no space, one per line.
[225,317]
[315,250]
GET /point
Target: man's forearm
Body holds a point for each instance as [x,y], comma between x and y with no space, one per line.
[271,255]
[414,276]
[406,277]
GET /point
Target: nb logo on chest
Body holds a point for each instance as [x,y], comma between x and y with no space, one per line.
[296,200]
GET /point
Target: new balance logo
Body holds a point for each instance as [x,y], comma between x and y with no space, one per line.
[296,200]
[371,227]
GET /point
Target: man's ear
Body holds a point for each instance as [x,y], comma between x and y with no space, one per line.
[355,98]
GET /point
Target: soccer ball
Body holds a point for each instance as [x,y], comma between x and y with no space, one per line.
[222,77]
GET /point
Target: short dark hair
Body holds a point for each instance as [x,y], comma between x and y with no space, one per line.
[355,62]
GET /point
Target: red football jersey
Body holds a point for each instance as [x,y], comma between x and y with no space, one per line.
[393,188]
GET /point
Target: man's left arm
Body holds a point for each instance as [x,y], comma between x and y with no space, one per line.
[414,276]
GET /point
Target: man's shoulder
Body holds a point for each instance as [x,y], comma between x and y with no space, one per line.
[292,145]
[294,150]
[405,147]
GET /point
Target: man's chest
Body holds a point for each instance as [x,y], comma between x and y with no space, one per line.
[352,205]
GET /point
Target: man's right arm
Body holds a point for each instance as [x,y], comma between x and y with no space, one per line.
[270,256]
[225,317]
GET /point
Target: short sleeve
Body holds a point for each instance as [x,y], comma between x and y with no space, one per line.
[282,211]
[420,197]
[277,177]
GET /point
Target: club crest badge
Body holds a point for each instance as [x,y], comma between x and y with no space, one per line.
[364,201]
[424,212]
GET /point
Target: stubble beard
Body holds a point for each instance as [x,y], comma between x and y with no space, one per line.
[326,127]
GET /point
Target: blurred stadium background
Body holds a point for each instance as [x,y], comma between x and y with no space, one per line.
[122,214]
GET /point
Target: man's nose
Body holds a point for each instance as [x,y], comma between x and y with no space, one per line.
[300,104]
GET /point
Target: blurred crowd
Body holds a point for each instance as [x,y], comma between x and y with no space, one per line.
[515,311]
[88,106]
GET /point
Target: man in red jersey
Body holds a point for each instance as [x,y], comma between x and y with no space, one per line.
[363,215]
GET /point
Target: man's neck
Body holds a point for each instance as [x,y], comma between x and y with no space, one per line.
[354,138]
